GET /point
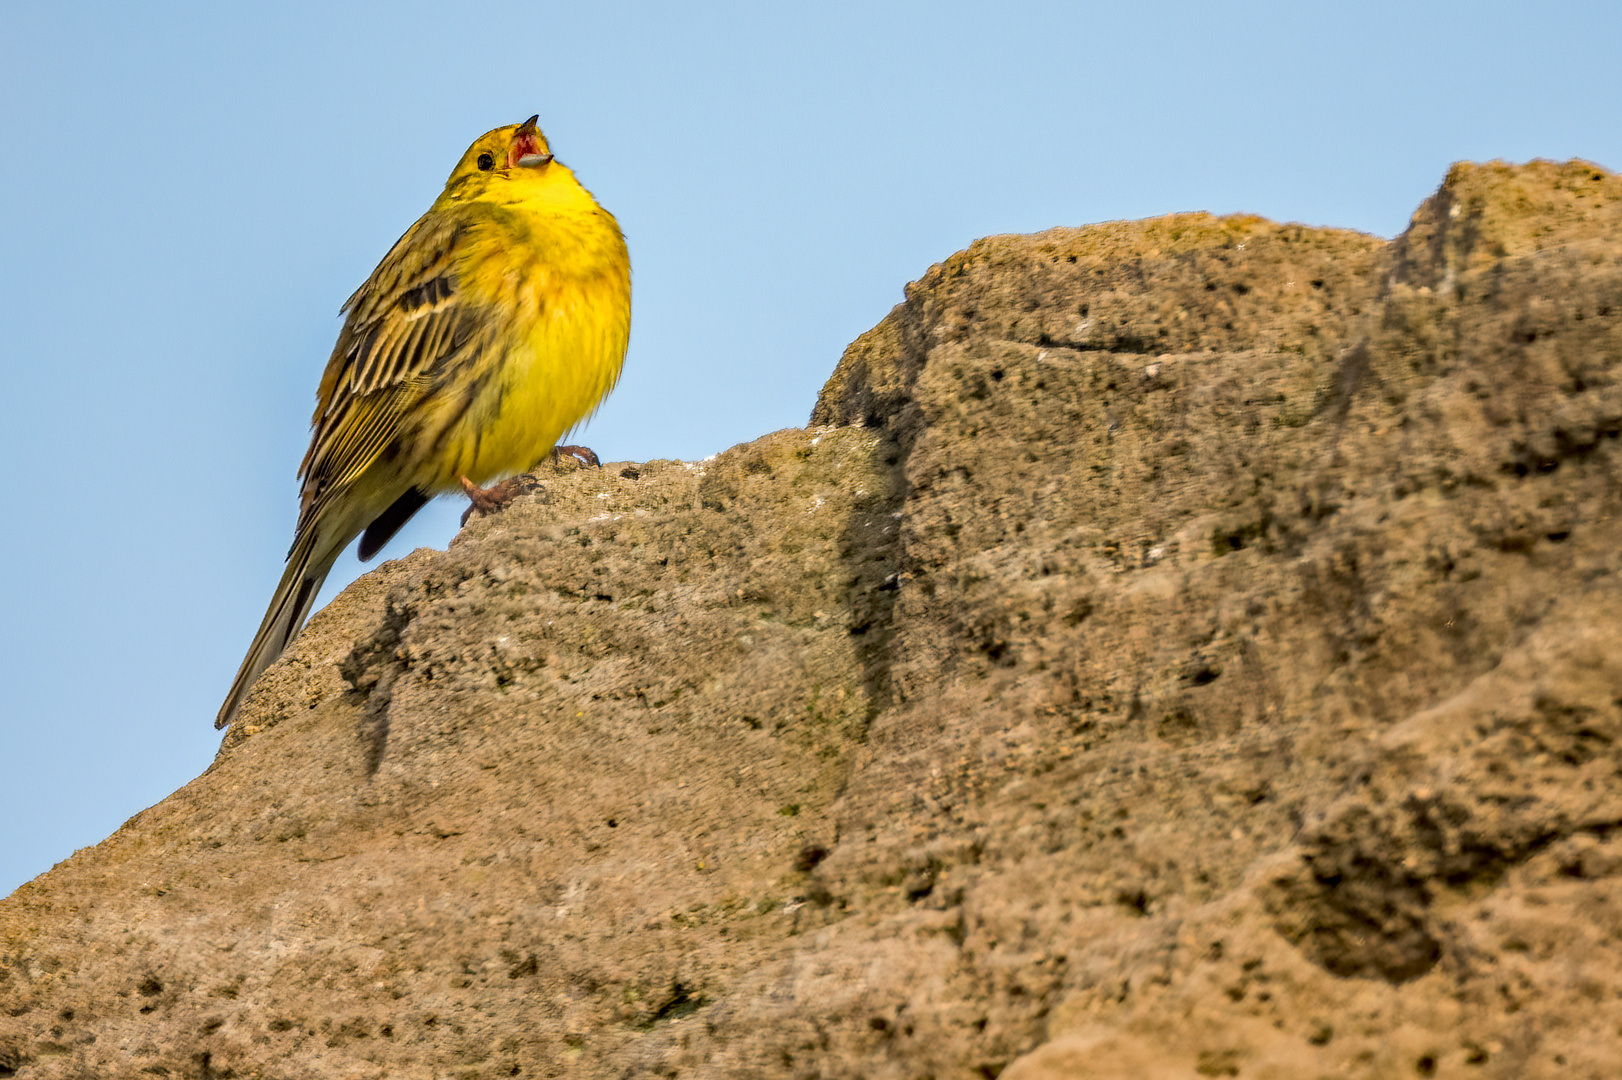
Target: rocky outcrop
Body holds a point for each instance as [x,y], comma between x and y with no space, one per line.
[1179,648]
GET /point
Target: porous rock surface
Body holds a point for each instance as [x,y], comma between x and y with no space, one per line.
[1179,648]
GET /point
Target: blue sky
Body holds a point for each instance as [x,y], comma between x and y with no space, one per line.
[193,189]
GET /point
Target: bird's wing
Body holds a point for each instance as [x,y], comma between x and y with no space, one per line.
[403,325]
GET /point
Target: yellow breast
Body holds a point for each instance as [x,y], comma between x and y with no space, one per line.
[554,270]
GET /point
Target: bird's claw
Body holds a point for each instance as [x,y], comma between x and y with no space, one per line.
[493,498]
[583,454]
[488,500]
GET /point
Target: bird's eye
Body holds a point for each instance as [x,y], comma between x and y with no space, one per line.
[487,161]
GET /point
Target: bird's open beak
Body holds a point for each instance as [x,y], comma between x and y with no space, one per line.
[526,152]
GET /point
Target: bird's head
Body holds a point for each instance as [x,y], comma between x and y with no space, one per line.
[517,153]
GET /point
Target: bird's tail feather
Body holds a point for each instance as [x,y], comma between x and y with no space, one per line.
[307,567]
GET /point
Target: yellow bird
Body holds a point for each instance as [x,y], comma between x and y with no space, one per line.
[495,324]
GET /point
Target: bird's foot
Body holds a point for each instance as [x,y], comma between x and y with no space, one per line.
[489,500]
[583,454]
[493,498]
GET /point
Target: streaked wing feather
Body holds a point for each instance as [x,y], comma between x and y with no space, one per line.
[401,326]
[354,440]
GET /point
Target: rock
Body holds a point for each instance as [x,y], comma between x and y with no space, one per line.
[1180,648]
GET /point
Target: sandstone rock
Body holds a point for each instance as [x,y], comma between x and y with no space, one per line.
[1180,648]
